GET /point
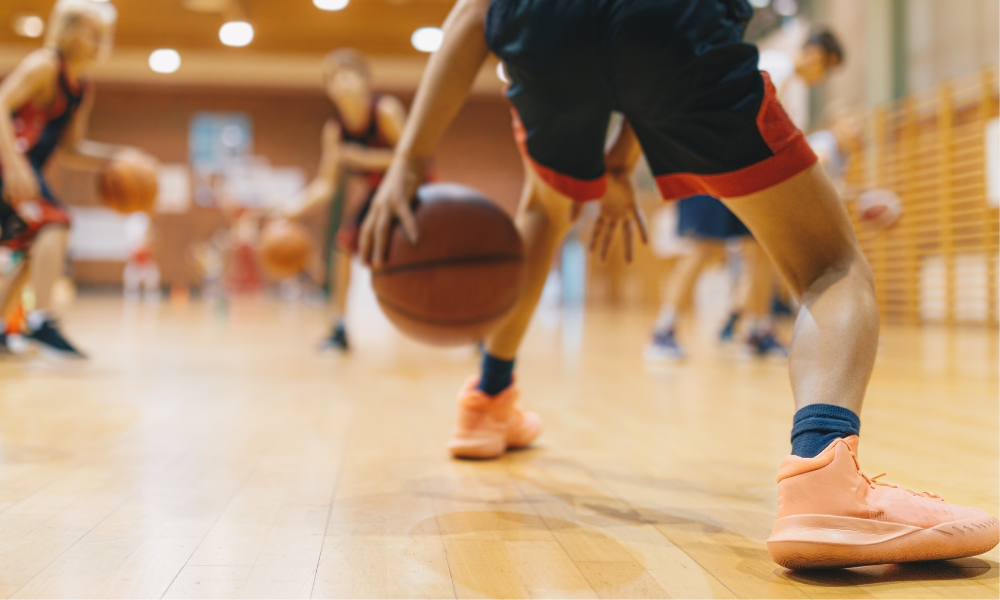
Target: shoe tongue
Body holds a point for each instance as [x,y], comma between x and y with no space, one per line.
[852,443]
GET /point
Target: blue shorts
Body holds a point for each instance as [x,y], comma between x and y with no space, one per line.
[707,218]
[706,117]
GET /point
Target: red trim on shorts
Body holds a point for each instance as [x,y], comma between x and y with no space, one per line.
[792,155]
[579,190]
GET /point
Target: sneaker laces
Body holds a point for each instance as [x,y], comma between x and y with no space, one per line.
[873,481]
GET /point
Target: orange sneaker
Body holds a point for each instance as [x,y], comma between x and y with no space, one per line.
[488,425]
[830,514]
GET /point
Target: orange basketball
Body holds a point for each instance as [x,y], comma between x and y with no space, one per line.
[461,278]
[284,249]
[129,183]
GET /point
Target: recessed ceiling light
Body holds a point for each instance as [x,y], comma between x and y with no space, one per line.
[236,33]
[331,4]
[427,39]
[31,26]
[165,60]
[786,8]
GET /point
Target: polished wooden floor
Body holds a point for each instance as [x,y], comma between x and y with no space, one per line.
[203,454]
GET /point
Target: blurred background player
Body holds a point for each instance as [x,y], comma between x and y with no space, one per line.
[709,223]
[357,149]
[44,105]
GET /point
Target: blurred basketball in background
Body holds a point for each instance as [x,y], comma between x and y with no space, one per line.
[129,184]
[284,249]
[463,275]
[879,209]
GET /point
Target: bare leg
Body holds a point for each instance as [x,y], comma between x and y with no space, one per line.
[48,256]
[11,287]
[803,226]
[341,284]
[681,282]
[543,220]
[759,274]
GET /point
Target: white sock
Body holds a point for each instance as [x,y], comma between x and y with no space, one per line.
[759,325]
[667,318]
[37,318]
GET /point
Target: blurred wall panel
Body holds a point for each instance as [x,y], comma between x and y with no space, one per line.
[478,150]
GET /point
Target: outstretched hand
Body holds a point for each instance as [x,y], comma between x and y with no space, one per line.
[391,201]
[618,209]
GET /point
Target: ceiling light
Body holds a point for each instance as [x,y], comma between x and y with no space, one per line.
[427,39]
[29,26]
[786,8]
[236,33]
[760,3]
[331,4]
[164,60]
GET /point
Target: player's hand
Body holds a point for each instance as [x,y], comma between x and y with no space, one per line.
[391,202]
[19,180]
[619,209]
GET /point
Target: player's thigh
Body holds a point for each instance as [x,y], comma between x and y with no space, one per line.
[803,225]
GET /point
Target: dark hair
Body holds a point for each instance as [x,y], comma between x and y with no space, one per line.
[827,41]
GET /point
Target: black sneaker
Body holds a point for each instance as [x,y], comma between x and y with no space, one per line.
[49,336]
[728,333]
[4,346]
[337,339]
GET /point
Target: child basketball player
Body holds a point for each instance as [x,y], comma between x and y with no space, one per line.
[709,123]
[44,105]
[357,141]
[709,223]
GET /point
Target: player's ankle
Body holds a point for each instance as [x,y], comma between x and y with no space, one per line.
[815,426]
[497,374]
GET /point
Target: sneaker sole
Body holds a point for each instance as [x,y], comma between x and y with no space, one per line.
[658,356]
[824,541]
[482,449]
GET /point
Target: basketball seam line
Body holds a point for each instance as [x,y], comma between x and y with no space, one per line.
[435,321]
[447,262]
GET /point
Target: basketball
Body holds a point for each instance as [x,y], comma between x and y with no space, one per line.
[129,184]
[284,249]
[879,209]
[463,275]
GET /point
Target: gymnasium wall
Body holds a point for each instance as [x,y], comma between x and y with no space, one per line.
[478,150]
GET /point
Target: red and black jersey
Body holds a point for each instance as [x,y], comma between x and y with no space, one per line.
[38,130]
[369,137]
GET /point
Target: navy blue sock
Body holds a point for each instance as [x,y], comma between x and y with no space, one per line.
[497,374]
[816,425]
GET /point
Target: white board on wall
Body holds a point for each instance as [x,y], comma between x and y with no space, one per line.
[993,162]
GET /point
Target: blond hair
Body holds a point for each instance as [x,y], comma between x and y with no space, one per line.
[345,58]
[67,13]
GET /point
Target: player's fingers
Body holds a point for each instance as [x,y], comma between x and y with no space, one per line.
[609,235]
[409,222]
[365,240]
[627,238]
[382,225]
[595,236]
[640,220]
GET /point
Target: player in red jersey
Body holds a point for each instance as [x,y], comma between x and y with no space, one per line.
[44,106]
[358,142]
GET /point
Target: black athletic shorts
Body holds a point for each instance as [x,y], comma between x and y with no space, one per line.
[707,119]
